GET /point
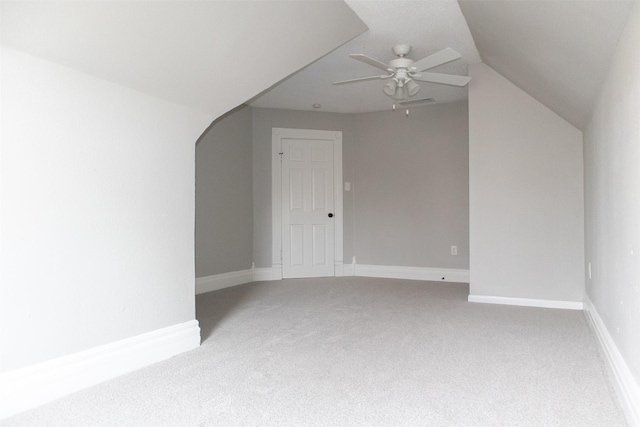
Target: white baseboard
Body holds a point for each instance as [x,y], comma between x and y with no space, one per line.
[266,274]
[349,269]
[389,272]
[224,280]
[275,272]
[34,385]
[412,273]
[625,384]
[527,302]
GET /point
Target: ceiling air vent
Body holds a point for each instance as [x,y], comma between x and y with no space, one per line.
[415,102]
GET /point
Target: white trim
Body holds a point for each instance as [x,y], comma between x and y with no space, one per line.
[349,269]
[269,273]
[277,135]
[412,273]
[266,274]
[224,280]
[34,385]
[526,302]
[276,205]
[625,384]
[339,269]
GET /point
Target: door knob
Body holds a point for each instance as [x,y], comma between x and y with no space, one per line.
[330,215]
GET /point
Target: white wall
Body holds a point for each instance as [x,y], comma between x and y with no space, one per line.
[612,198]
[97,211]
[224,204]
[525,195]
[98,179]
[411,187]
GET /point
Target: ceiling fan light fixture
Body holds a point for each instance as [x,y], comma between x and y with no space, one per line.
[400,93]
[412,88]
[390,87]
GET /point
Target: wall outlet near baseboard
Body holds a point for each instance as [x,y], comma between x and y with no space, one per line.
[454,250]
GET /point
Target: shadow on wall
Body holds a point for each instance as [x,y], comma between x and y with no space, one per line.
[218,120]
[213,307]
[223,212]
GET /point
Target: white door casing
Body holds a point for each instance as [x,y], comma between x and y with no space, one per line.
[306,187]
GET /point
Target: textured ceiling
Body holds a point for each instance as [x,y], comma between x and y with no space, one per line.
[429,26]
[557,51]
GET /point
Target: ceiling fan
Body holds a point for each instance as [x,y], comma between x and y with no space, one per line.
[404,72]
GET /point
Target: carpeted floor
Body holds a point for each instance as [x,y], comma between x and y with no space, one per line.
[360,352]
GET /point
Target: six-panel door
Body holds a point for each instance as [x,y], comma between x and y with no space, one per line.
[307,208]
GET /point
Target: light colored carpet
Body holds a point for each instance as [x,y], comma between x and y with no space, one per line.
[360,352]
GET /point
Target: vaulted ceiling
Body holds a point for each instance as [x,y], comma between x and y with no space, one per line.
[213,55]
[428,26]
[557,51]
[208,55]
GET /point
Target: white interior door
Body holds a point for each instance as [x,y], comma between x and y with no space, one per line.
[308,224]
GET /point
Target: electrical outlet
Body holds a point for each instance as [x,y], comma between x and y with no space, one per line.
[347,186]
[454,250]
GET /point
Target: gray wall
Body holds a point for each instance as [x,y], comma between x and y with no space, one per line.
[263,121]
[411,187]
[612,186]
[409,198]
[224,204]
[526,195]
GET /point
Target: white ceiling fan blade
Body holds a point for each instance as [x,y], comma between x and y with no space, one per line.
[438,58]
[361,79]
[374,62]
[445,79]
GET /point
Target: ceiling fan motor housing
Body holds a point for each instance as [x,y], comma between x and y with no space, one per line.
[401,63]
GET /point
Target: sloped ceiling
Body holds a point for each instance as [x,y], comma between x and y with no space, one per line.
[556,51]
[214,55]
[209,55]
[428,26]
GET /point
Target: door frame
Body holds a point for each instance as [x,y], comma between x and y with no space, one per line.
[277,135]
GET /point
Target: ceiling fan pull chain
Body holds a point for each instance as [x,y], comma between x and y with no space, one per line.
[407,112]
[394,108]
